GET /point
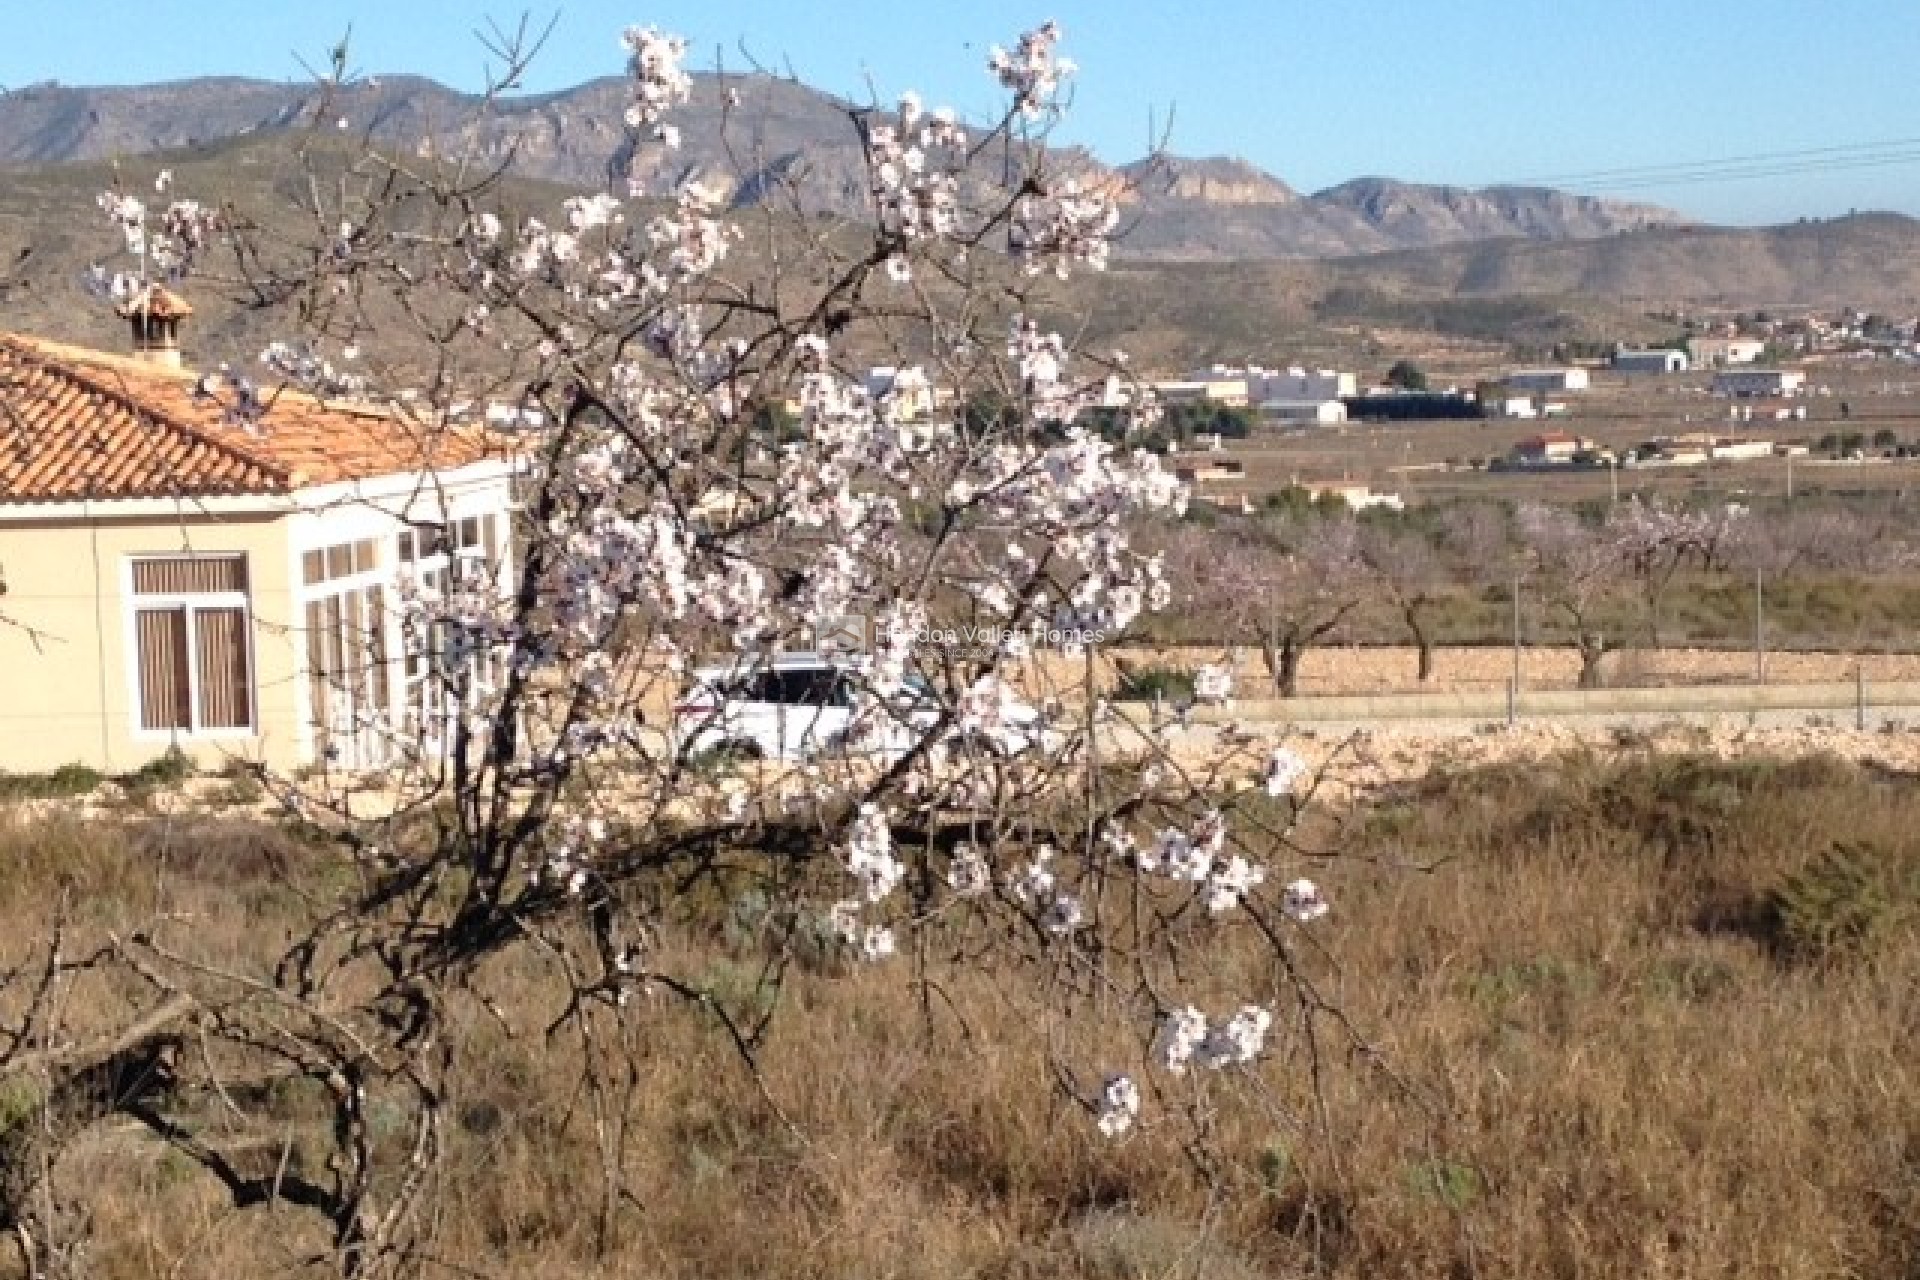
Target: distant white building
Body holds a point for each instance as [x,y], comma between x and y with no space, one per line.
[1231,392]
[1719,353]
[1547,449]
[1570,379]
[1518,407]
[1358,497]
[1303,412]
[1283,384]
[1759,382]
[1658,360]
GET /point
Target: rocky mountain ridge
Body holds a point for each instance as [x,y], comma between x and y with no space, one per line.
[764,138]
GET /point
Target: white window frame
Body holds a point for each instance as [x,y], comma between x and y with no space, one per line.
[381,574]
[133,605]
[430,575]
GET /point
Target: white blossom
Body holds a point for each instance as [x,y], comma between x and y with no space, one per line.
[1303,902]
[1213,684]
[1119,1105]
[1230,884]
[1236,1041]
[876,943]
[1181,1033]
[1032,70]
[968,875]
[869,854]
[659,82]
[1284,771]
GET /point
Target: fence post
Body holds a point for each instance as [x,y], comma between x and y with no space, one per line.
[1513,703]
[1516,631]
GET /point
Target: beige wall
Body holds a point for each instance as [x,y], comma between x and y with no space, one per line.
[65,693]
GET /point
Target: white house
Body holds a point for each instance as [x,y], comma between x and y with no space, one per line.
[1758,382]
[1719,353]
[1569,379]
[1303,412]
[1657,360]
[176,581]
[1550,448]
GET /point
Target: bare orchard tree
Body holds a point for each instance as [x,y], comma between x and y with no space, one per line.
[1660,541]
[1415,576]
[677,516]
[1284,584]
[1577,566]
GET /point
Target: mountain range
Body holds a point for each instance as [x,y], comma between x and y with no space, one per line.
[759,136]
[1218,260]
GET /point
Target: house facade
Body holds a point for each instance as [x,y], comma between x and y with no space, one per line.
[173,580]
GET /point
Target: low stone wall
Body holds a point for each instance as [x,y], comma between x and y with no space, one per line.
[1332,671]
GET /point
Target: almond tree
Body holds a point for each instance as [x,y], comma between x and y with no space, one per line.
[1659,541]
[561,839]
[1285,585]
[1413,575]
[1577,566]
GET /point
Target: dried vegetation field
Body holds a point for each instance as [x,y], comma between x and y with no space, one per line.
[1631,1014]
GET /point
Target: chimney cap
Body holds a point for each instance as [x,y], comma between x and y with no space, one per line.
[156,302]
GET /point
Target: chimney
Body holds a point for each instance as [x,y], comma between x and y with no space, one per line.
[154,315]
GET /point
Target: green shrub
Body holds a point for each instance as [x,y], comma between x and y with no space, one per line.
[169,769]
[66,781]
[1449,1182]
[1843,903]
[1145,684]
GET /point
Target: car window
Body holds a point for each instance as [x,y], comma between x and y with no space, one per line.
[764,687]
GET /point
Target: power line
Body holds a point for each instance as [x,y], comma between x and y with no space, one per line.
[1758,157]
[1757,171]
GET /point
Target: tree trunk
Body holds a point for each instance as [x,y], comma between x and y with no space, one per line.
[1422,643]
[1593,652]
[1287,677]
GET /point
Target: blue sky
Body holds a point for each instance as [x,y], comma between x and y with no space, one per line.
[1819,93]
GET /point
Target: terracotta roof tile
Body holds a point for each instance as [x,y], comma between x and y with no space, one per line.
[83,424]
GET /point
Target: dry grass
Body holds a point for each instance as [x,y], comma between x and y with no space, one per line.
[1619,1059]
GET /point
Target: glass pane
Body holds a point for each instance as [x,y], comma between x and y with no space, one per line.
[317,663]
[377,648]
[313,567]
[165,693]
[226,692]
[189,575]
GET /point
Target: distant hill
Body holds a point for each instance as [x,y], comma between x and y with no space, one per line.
[780,140]
[1168,312]
[1870,260]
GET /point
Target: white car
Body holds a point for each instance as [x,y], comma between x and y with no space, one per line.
[795,705]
